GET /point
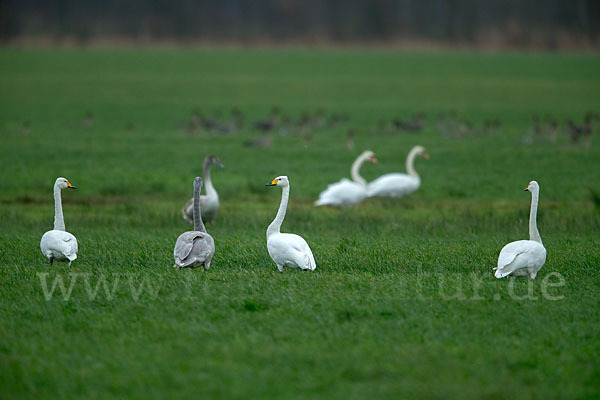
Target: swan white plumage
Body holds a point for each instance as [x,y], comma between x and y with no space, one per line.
[197,247]
[524,257]
[287,249]
[347,192]
[209,203]
[58,244]
[396,184]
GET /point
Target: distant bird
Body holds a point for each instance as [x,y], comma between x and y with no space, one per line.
[195,248]
[88,119]
[287,249]
[347,192]
[577,131]
[26,128]
[524,257]
[208,203]
[58,244]
[413,125]
[262,142]
[270,123]
[551,127]
[397,184]
[234,124]
[350,139]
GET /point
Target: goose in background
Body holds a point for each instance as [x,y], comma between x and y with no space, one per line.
[396,184]
[287,249]
[197,247]
[524,257]
[262,142]
[208,202]
[348,192]
[58,243]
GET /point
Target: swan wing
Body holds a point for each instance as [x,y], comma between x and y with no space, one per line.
[519,255]
[185,244]
[60,244]
[393,185]
[188,211]
[288,248]
[344,192]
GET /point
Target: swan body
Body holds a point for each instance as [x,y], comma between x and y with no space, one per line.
[209,203]
[398,185]
[287,249]
[58,244]
[197,247]
[347,192]
[524,257]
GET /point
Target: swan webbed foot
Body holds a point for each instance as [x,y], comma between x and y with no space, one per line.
[51,259]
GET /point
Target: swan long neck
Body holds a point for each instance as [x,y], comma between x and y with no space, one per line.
[355,168]
[198,224]
[410,163]
[210,189]
[534,234]
[59,220]
[276,224]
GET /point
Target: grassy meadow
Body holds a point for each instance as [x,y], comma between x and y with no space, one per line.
[403,303]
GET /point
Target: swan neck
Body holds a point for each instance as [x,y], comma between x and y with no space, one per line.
[59,220]
[354,171]
[210,189]
[275,226]
[198,224]
[410,164]
[534,234]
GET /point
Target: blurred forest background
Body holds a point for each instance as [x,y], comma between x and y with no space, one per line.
[549,24]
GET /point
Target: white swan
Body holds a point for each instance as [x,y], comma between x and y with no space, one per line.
[287,249]
[58,243]
[524,257]
[195,247]
[347,192]
[396,184]
[208,203]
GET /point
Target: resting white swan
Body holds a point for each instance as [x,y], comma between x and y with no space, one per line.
[347,192]
[287,249]
[195,247]
[59,244]
[524,257]
[208,203]
[396,184]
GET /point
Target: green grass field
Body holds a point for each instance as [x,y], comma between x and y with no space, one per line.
[403,303]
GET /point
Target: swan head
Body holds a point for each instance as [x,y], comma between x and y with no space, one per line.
[279,181]
[368,155]
[63,183]
[420,151]
[211,159]
[532,187]
[197,183]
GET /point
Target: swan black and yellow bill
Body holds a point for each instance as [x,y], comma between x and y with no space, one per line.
[71,186]
[273,183]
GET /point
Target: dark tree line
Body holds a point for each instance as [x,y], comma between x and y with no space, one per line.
[514,23]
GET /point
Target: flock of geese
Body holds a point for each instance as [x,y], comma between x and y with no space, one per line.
[197,247]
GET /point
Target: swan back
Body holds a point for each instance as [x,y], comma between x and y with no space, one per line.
[520,258]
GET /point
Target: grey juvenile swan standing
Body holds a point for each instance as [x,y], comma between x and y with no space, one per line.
[209,202]
[195,247]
